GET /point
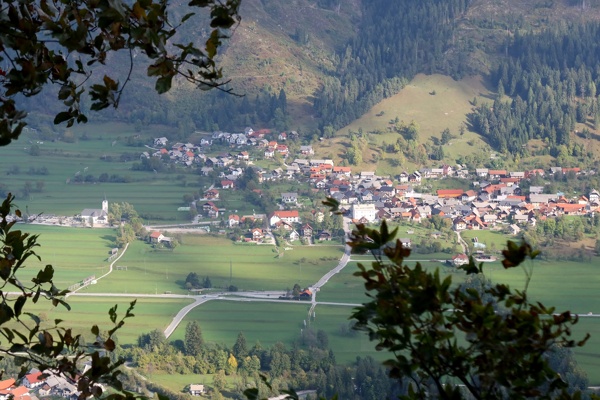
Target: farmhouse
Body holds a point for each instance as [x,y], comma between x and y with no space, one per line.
[197,390]
[33,380]
[156,237]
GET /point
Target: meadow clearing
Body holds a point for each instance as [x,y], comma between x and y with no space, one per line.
[434,102]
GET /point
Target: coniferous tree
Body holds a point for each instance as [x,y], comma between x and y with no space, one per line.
[240,348]
[193,342]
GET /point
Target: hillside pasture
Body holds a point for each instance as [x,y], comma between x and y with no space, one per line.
[434,102]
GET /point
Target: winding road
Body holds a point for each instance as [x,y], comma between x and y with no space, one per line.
[251,296]
[261,296]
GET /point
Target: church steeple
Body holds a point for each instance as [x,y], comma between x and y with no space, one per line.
[105,205]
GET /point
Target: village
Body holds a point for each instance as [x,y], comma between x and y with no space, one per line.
[495,200]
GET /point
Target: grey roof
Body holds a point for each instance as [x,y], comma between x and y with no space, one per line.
[93,212]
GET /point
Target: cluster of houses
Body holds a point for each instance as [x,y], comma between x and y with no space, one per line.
[189,153]
[495,198]
[36,385]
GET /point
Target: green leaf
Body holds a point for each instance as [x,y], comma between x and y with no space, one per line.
[45,275]
[6,313]
[187,16]
[163,84]
[19,305]
[62,117]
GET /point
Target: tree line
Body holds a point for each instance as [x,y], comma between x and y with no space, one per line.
[309,363]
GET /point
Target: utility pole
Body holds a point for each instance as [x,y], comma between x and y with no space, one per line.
[230,272]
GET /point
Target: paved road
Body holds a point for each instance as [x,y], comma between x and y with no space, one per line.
[184,311]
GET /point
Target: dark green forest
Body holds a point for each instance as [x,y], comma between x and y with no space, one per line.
[397,40]
[551,78]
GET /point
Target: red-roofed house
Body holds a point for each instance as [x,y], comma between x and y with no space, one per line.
[576,170]
[449,193]
[233,220]
[210,209]
[33,380]
[571,209]
[289,217]
[342,170]
[497,173]
[227,184]
[257,235]
[7,383]
[282,149]
[211,194]
[156,237]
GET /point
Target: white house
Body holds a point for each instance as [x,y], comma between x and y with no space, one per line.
[288,217]
[197,390]
[366,211]
[289,198]
[161,141]
[460,259]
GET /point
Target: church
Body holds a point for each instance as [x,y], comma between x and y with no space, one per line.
[95,216]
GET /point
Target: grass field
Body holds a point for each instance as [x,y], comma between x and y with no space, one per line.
[150,314]
[156,194]
[492,239]
[269,323]
[252,267]
[565,285]
[75,253]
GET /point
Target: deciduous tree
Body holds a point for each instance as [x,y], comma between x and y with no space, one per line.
[60,43]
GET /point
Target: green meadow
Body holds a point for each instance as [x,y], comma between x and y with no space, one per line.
[272,322]
[75,253]
[249,267]
[157,195]
[434,102]
[150,314]
[79,252]
[492,239]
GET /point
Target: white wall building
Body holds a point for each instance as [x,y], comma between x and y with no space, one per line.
[367,211]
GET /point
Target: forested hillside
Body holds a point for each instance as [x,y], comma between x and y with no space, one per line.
[321,64]
[397,41]
[551,77]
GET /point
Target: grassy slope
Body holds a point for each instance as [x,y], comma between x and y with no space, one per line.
[263,54]
[433,113]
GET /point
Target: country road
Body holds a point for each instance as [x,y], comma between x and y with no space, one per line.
[110,268]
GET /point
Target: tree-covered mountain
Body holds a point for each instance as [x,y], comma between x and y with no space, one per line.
[321,64]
